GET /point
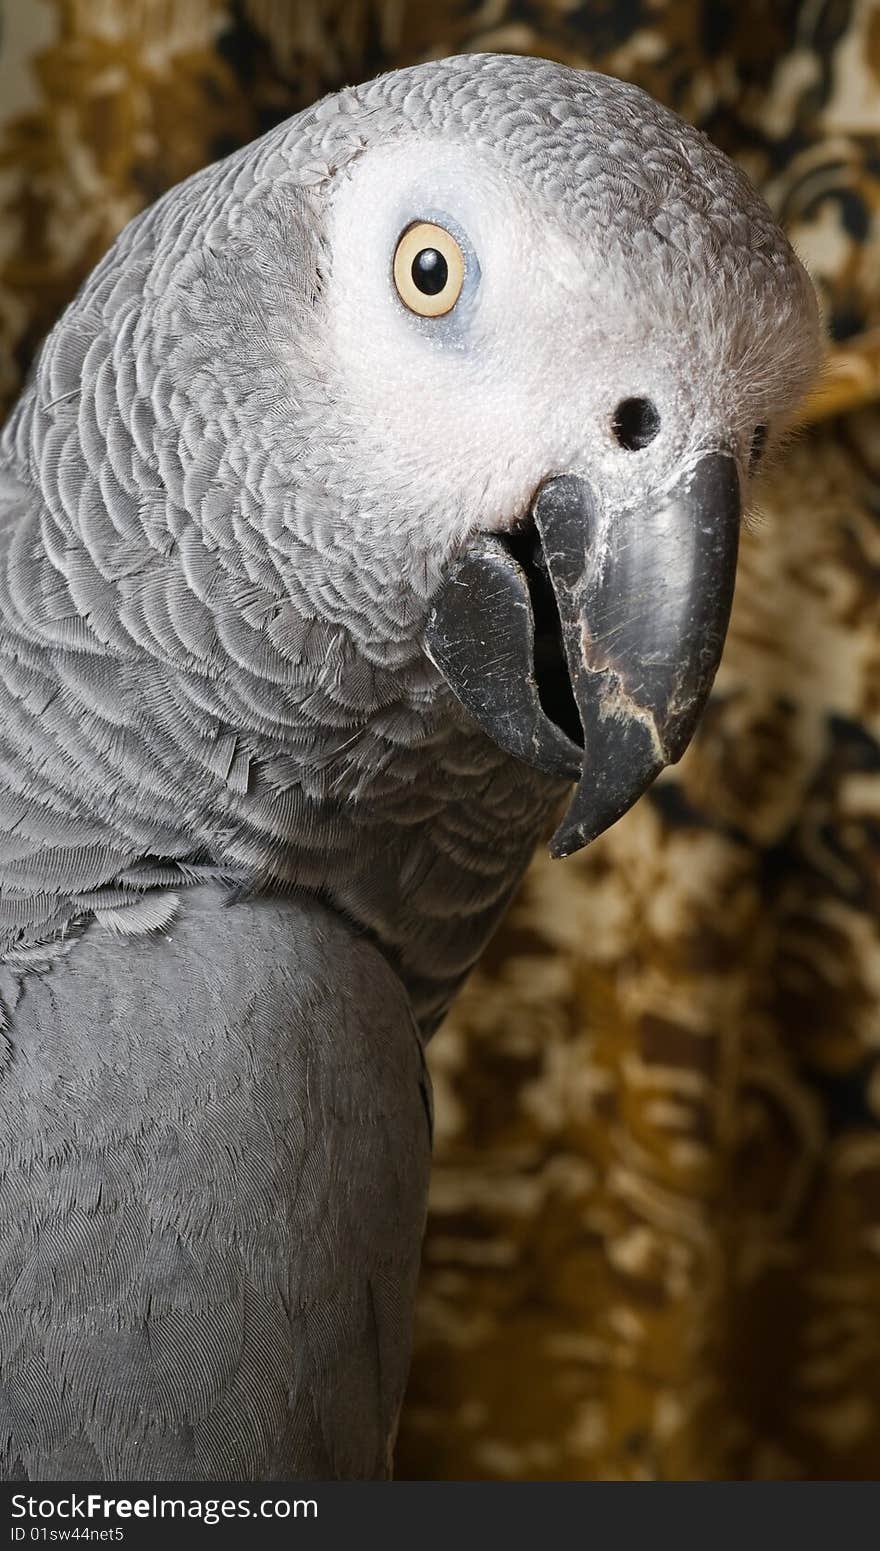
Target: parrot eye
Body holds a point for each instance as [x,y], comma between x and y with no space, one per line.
[428,270]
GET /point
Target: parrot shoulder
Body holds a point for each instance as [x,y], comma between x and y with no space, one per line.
[217,1146]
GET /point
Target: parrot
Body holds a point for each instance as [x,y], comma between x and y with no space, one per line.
[368,518]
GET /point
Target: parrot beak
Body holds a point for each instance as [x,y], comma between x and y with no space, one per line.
[587,646]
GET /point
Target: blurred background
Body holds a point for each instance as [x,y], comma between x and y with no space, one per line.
[654,1245]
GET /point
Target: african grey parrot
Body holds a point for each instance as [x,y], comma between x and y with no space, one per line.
[381,481]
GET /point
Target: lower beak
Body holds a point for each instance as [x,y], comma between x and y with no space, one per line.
[586,645]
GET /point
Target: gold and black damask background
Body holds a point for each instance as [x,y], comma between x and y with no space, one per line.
[654,1246]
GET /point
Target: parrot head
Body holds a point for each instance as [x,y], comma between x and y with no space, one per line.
[564,326]
[433,410]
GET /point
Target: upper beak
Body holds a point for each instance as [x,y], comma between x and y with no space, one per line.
[587,644]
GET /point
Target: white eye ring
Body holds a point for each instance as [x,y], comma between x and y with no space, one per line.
[428,269]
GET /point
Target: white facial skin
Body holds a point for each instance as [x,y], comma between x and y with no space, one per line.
[465,415]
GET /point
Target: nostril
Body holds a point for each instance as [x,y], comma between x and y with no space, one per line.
[635,423]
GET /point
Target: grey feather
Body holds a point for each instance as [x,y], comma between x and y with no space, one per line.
[195,1279]
[217,556]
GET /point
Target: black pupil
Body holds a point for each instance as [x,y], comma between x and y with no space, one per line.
[430,272]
